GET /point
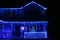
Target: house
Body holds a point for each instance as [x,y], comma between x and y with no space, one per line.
[32,28]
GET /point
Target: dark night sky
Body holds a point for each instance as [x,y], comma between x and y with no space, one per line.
[19,3]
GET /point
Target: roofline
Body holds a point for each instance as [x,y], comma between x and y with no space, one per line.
[27,5]
[24,22]
[36,4]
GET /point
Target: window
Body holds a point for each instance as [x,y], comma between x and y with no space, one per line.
[27,28]
[39,28]
[13,13]
[32,28]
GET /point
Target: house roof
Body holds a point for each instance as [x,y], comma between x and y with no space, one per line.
[32,2]
[26,6]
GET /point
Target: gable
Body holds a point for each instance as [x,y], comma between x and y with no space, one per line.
[35,4]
